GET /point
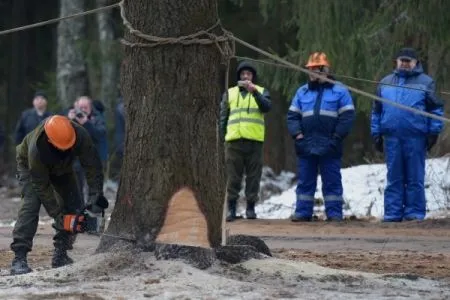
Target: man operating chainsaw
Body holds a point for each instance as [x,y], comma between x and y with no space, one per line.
[45,171]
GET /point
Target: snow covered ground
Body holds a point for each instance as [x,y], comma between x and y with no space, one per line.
[363,192]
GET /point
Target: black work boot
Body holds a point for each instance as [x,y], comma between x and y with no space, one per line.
[19,264]
[250,211]
[294,218]
[231,215]
[60,258]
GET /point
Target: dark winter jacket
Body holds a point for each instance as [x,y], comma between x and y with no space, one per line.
[27,122]
[103,138]
[324,114]
[120,128]
[96,127]
[390,120]
[41,163]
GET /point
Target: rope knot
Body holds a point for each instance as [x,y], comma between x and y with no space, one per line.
[224,40]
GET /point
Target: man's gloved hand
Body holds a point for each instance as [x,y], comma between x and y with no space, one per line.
[58,222]
[97,203]
[336,142]
[378,142]
[431,141]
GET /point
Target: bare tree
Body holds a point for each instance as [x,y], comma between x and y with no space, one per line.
[71,71]
[109,67]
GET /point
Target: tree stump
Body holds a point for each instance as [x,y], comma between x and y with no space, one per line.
[242,240]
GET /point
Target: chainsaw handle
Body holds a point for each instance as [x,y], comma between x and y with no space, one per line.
[74,223]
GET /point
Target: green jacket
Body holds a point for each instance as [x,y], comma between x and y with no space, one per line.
[42,165]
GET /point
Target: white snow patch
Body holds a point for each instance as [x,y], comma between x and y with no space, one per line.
[363,192]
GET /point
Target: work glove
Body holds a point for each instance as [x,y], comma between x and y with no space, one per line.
[58,222]
[97,203]
[336,141]
[431,141]
[378,142]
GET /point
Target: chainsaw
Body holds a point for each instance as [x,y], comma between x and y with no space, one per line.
[88,222]
[83,222]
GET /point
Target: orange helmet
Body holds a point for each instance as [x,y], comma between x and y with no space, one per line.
[60,132]
[317,59]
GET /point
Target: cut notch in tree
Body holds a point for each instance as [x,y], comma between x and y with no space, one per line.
[184,223]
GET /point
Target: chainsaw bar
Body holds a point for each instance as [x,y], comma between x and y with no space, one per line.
[114,236]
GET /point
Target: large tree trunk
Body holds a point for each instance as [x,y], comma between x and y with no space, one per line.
[109,68]
[171,97]
[72,80]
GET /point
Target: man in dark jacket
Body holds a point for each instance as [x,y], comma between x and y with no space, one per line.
[44,169]
[243,129]
[319,118]
[405,137]
[30,118]
[84,114]
[99,107]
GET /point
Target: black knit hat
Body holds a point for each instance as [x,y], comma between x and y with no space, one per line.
[407,53]
[40,94]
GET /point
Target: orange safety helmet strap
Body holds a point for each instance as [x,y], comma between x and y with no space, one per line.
[317,59]
[60,132]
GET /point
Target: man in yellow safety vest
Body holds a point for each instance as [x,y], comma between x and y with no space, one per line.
[242,128]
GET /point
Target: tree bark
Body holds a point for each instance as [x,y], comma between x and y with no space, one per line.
[171,98]
[72,80]
[109,67]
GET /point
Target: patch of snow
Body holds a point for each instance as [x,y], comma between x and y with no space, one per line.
[11,223]
[364,191]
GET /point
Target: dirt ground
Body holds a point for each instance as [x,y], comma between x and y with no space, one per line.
[412,249]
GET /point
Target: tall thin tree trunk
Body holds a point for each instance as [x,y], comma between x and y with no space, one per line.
[172,99]
[71,71]
[17,83]
[109,67]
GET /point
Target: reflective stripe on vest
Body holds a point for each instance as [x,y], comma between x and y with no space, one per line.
[245,120]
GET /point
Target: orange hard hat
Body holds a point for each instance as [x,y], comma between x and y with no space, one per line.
[317,59]
[60,132]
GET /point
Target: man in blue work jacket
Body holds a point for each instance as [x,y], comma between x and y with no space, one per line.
[405,137]
[319,118]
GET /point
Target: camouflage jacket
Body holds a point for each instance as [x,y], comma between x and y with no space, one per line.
[37,162]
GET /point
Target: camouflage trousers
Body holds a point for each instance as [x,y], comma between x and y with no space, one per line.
[69,200]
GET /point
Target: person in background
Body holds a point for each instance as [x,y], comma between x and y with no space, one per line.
[30,118]
[319,118]
[84,114]
[405,137]
[242,127]
[103,139]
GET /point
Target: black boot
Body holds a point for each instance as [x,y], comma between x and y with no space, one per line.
[231,215]
[301,219]
[60,258]
[19,264]
[250,211]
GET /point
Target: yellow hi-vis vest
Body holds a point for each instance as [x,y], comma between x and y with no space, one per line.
[245,120]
